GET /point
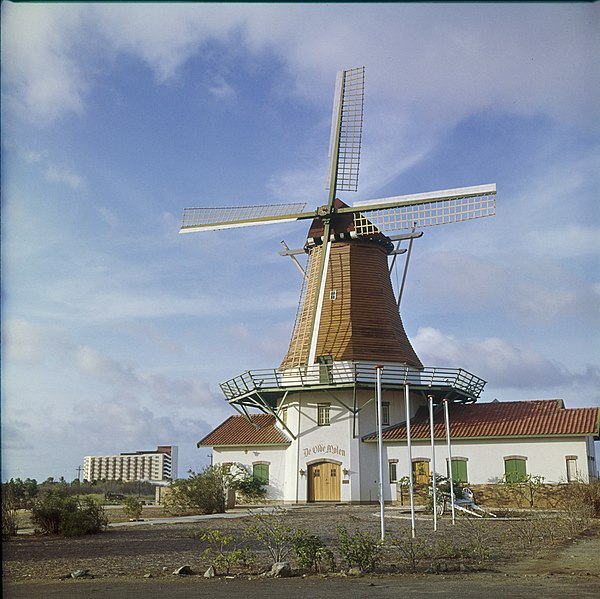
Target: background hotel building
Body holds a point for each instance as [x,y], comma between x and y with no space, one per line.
[138,465]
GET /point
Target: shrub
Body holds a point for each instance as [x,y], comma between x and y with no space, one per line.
[56,513]
[22,492]
[87,518]
[203,492]
[361,549]
[583,498]
[249,488]
[223,552]
[477,536]
[9,514]
[525,487]
[273,533]
[311,552]
[528,531]
[133,507]
[413,551]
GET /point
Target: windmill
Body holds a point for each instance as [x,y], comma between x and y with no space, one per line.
[347,309]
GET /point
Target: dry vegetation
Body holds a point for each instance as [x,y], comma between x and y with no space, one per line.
[157,550]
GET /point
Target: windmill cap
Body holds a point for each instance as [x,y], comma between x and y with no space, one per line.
[342,229]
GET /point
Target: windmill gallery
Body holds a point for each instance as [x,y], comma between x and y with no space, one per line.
[351,393]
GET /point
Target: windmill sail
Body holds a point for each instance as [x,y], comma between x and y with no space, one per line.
[347,309]
[213,219]
[424,209]
[346,130]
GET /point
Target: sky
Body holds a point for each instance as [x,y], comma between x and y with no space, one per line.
[116,330]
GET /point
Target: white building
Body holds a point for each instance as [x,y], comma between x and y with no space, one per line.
[156,465]
[318,442]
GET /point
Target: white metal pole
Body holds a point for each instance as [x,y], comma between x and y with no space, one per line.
[380,449]
[433,476]
[447,418]
[411,489]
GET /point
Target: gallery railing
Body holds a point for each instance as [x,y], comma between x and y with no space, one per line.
[349,374]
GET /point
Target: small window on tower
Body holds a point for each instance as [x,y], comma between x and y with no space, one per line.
[333,295]
[385,414]
[323,414]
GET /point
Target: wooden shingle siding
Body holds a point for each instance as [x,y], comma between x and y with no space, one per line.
[362,322]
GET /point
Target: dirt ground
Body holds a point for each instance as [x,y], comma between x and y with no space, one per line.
[510,557]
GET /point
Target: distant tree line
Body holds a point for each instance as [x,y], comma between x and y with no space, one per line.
[24,492]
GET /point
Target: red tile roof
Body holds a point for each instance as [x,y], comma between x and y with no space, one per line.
[500,419]
[237,430]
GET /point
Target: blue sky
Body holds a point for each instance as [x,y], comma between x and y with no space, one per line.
[117,331]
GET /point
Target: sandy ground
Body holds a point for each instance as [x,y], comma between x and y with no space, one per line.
[123,559]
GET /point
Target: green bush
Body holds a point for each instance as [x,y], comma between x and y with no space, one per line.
[413,550]
[361,549]
[223,552]
[56,513]
[22,492]
[203,492]
[133,507]
[311,552]
[206,491]
[273,533]
[249,488]
[9,514]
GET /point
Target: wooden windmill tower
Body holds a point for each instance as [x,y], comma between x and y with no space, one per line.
[348,311]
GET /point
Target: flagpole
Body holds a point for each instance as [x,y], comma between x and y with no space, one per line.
[380,450]
[410,472]
[447,418]
[434,480]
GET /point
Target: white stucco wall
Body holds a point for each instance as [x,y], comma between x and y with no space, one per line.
[275,457]
[485,459]
[340,442]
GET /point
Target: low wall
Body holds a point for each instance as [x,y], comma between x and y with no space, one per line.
[547,496]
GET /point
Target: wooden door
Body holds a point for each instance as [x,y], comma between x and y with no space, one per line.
[421,472]
[324,482]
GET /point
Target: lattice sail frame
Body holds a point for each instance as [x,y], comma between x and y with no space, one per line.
[350,129]
[474,202]
[239,216]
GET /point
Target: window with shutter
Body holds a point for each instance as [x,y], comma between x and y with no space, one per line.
[261,473]
[515,469]
[459,470]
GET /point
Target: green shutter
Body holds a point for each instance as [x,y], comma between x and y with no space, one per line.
[459,471]
[515,470]
[261,473]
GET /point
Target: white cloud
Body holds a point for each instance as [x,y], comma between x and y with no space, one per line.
[474,56]
[32,155]
[25,341]
[499,362]
[106,427]
[542,288]
[221,89]
[108,216]
[568,241]
[38,61]
[61,174]
[126,378]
